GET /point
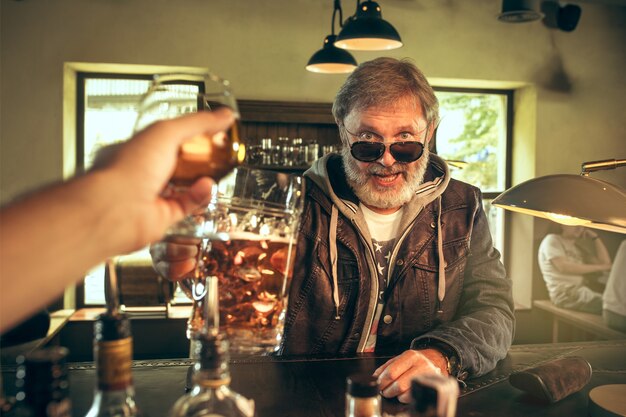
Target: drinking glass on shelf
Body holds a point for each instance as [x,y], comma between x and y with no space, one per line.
[173,95]
[252,223]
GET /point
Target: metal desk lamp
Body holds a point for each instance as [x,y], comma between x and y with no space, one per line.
[577,200]
[574,200]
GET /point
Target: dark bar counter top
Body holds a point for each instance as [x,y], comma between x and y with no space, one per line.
[302,387]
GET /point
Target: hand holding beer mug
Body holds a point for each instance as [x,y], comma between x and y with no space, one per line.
[173,95]
[252,225]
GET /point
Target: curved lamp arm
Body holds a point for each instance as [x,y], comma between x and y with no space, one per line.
[604,164]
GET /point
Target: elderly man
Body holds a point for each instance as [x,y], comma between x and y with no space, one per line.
[393,255]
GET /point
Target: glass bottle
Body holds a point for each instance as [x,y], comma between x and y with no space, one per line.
[6,403]
[266,151]
[433,396]
[362,396]
[112,352]
[42,384]
[313,152]
[210,394]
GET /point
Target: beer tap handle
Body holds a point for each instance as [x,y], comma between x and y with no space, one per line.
[212,312]
[112,288]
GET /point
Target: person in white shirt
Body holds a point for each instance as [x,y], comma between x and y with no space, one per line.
[563,263]
[614,296]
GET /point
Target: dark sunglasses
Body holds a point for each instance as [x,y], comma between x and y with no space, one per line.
[407,151]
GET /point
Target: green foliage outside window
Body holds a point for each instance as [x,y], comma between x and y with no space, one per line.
[477,138]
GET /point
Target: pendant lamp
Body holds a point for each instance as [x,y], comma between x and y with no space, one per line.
[330,59]
[367,31]
[519,11]
[574,200]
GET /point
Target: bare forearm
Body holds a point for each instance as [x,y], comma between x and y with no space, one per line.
[567,267]
[47,243]
[601,252]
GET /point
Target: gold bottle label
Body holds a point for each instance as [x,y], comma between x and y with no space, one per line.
[113,364]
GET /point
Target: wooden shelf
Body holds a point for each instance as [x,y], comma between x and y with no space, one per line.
[285,112]
[274,119]
[282,168]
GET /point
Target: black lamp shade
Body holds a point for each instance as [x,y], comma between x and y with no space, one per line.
[519,11]
[367,31]
[331,60]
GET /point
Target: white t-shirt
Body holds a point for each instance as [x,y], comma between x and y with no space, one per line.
[384,229]
[555,246]
[614,297]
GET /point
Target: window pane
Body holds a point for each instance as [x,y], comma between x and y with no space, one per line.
[495,218]
[472,134]
[110,112]
[94,286]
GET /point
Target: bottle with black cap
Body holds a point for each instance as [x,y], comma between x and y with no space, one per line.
[362,396]
[209,378]
[210,394]
[112,352]
[42,384]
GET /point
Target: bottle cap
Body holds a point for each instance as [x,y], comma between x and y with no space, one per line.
[362,385]
[111,327]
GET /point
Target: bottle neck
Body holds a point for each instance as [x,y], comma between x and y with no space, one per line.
[211,378]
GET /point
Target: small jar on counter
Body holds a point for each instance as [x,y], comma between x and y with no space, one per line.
[362,396]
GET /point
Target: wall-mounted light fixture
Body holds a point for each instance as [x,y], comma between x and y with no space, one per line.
[553,15]
[330,59]
[367,31]
[518,11]
[564,17]
[575,200]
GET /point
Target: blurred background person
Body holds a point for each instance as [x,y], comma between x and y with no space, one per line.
[614,296]
[566,255]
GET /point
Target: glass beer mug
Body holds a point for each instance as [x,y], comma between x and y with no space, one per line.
[251,228]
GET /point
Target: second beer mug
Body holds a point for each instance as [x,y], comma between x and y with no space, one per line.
[252,223]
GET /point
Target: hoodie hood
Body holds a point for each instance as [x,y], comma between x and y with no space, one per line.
[329,174]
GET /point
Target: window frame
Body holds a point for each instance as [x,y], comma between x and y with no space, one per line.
[509,94]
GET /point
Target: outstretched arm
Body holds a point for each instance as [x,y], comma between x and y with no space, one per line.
[50,238]
[565,266]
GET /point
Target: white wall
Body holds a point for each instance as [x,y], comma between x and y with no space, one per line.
[262,46]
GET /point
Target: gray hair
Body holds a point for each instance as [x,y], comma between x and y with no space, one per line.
[384,82]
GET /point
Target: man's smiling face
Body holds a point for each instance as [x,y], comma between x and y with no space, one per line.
[385,185]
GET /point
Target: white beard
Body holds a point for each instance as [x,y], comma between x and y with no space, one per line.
[383,197]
